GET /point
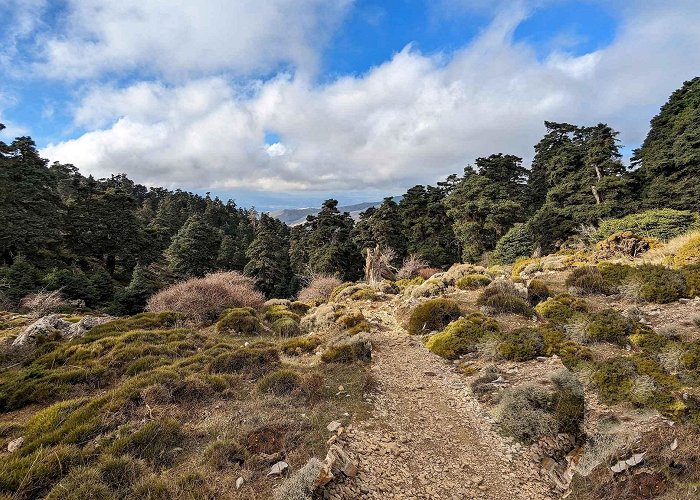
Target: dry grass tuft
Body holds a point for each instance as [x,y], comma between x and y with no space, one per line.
[202,300]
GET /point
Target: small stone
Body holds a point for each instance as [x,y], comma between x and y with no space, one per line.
[15,444]
[239,483]
[278,468]
[341,388]
[333,426]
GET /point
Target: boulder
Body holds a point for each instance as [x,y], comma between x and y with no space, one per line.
[53,324]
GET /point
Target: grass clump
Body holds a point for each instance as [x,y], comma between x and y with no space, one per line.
[433,315]
[81,483]
[120,472]
[225,453]
[403,283]
[586,280]
[522,344]
[240,320]
[461,336]
[254,360]
[280,382]
[609,325]
[286,327]
[153,442]
[275,312]
[473,281]
[496,301]
[301,345]
[353,322]
[348,352]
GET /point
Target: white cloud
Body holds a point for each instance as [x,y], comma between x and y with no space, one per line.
[413,119]
[182,38]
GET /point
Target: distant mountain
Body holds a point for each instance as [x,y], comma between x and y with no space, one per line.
[295,216]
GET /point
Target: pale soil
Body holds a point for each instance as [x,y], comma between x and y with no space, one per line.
[428,438]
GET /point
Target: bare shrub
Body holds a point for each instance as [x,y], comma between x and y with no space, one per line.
[320,287]
[42,303]
[411,265]
[599,449]
[202,300]
[523,413]
[670,358]
[301,485]
[488,348]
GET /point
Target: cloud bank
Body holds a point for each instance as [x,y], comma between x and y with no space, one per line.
[413,119]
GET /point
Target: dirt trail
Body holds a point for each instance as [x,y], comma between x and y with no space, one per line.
[428,438]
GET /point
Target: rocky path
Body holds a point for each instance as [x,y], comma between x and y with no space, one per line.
[428,438]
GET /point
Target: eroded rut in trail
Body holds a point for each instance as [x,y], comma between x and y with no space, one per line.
[428,437]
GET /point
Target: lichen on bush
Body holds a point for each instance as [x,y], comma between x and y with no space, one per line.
[461,336]
[433,315]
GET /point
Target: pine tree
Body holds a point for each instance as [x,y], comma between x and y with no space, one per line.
[268,258]
[195,248]
[669,159]
[381,226]
[426,226]
[486,203]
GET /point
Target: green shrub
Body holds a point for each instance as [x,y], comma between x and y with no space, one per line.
[526,413]
[522,344]
[648,340]
[473,281]
[662,224]
[692,280]
[609,326]
[305,344]
[517,242]
[280,382]
[586,280]
[537,291]
[574,355]
[660,284]
[276,312]
[613,379]
[418,280]
[615,274]
[364,294]
[286,327]
[560,309]
[690,360]
[461,336]
[569,403]
[348,352]
[240,320]
[299,308]
[255,360]
[225,453]
[153,442]
[498,302]
[432,315]
[353,322]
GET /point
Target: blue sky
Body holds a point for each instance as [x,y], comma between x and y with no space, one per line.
[287,102]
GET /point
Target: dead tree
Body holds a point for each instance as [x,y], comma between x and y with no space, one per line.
[378,265]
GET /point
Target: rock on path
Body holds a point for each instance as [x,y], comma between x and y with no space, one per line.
[428,438]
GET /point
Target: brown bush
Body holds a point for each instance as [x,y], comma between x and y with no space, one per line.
[427,272]
[202,300]
[319,288]
[411,265]
[42,303]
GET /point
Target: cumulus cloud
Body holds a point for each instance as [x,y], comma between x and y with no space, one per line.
[412,119]
[181,38]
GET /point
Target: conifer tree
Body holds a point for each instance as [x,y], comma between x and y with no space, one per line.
[268,258]
[195,248]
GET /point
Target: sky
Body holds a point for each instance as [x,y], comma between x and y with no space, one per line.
[284,103]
